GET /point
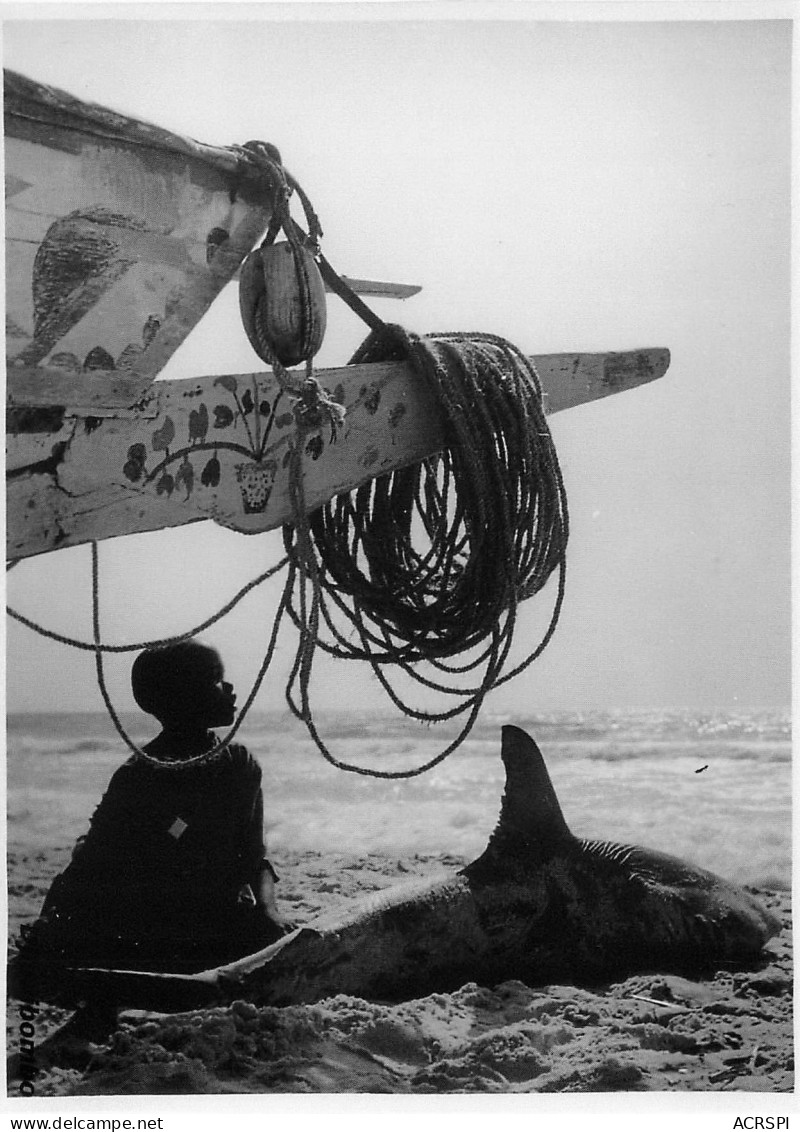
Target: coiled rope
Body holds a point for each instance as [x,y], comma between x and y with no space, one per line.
[490,512]
[425,565]
[491,508]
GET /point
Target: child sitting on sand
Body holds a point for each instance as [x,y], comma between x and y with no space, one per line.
[171,875]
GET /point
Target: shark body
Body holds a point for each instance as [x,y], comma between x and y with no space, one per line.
[539,905]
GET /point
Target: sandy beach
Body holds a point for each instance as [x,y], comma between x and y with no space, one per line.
[725,1031]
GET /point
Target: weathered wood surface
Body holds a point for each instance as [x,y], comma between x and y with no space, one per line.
[84,462]
[119,235]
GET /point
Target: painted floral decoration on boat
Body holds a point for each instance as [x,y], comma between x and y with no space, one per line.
[181,464]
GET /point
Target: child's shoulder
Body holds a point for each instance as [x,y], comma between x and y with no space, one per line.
[239,754]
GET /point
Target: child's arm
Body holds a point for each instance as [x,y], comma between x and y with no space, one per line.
[264,892]
[263,877]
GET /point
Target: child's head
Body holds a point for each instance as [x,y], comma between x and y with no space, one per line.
[183,685]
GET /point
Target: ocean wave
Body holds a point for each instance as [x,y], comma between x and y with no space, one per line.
[762,752]
[763,726]
[397,743]
[58,748]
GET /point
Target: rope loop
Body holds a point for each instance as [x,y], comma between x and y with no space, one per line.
[222,744]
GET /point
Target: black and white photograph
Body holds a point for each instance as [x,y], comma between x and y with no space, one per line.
[398,518]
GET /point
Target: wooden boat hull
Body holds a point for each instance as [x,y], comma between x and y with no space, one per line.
[119,235]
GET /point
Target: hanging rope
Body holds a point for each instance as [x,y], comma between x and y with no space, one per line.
[307,620]
[217,748]
[160,642]
[491,507]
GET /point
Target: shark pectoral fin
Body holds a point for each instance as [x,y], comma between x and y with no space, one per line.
[531,824]
[235,971]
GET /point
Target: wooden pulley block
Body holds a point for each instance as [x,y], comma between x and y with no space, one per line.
[282,302]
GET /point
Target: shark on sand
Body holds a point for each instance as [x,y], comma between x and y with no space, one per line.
[539,905]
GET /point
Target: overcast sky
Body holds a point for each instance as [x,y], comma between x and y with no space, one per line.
[572,186]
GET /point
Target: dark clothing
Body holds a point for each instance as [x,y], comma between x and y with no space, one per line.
[160,880]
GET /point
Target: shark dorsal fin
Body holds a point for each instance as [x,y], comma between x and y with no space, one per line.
[530,805]
[531,824]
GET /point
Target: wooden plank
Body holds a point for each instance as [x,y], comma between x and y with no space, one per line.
[380,290]
[573,379]
[217,447]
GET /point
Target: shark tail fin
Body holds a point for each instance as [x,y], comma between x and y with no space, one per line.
[531,823]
